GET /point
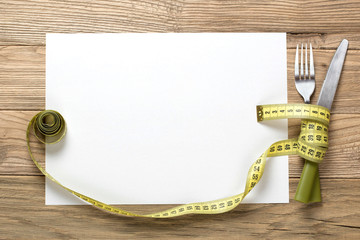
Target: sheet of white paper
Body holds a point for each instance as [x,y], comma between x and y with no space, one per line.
[165,118]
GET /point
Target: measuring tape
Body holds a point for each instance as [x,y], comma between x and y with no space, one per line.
[49,127]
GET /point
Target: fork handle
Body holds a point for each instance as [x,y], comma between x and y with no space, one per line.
[308,189]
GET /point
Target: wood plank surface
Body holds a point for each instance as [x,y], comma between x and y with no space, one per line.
[23,25]
[22,210]
[26,22]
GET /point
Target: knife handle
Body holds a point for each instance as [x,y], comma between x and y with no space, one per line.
[308,189]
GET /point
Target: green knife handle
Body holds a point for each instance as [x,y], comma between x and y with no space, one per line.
[308,189]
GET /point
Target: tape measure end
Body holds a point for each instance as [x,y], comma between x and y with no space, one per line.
[259,113]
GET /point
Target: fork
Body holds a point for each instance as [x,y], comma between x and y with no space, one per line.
[305,84]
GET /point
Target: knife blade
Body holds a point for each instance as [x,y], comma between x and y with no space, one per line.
[308,188]
[331,81]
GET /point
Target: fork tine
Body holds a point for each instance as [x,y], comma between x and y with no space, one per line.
[312,69]
[305,85]
[302,63]
[297,62]
[306,62]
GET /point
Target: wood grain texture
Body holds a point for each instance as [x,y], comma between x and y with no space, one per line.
[23,25]
[342,159]
[26,22]
[24,216]
[22,77]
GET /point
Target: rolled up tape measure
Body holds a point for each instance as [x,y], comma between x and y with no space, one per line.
[49,127]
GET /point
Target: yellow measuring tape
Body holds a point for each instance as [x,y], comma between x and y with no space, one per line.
[49,127]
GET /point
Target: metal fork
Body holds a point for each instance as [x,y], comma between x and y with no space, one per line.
[305,84]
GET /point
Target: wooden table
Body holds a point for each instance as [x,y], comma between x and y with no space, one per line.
[23,24]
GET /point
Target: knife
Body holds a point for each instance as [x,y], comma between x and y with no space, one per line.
[306,190]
